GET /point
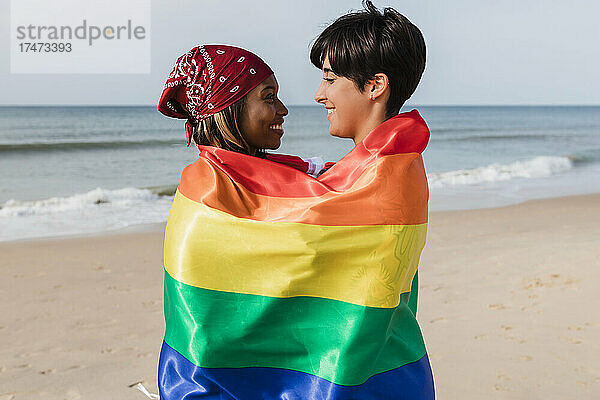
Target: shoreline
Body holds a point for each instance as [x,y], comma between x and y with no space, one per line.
[505,306]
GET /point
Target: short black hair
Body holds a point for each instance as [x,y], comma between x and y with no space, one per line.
[364,43]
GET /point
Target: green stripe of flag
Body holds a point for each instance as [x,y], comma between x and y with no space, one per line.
[338,341]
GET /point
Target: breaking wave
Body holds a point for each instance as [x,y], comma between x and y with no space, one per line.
[98,210]
[94,198]
[538,167]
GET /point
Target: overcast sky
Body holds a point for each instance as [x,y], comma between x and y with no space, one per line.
[479,52]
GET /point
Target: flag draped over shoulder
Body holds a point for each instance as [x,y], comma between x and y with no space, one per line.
[279,285]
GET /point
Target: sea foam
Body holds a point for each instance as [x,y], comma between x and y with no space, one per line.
[120,197]
[95,211]
[537,167]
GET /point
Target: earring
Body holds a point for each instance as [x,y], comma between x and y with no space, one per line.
[372,97]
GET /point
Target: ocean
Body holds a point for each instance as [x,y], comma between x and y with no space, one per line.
[81,170]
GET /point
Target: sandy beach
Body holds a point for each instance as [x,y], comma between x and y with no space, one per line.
[505,305]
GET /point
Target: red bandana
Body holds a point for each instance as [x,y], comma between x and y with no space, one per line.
[208,79]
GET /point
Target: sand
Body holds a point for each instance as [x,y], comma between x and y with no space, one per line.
[507,307]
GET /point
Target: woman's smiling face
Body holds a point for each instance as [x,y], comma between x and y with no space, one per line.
[347,107]
[262,120]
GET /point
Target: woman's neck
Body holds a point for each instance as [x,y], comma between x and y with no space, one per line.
[373,121]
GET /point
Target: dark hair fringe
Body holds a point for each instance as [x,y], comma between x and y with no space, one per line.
[361,44]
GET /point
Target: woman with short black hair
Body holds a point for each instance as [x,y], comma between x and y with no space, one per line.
[381,55]
[372,62]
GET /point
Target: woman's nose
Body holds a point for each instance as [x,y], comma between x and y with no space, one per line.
[282,109]
[320,94]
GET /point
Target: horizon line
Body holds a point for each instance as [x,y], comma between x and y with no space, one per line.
[317,105]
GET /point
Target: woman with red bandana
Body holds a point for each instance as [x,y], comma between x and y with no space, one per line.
[229,98]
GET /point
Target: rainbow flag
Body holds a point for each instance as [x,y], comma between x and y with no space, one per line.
[279,285]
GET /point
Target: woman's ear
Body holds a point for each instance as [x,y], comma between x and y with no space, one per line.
[378,85]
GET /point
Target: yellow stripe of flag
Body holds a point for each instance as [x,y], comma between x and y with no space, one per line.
[369,265]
